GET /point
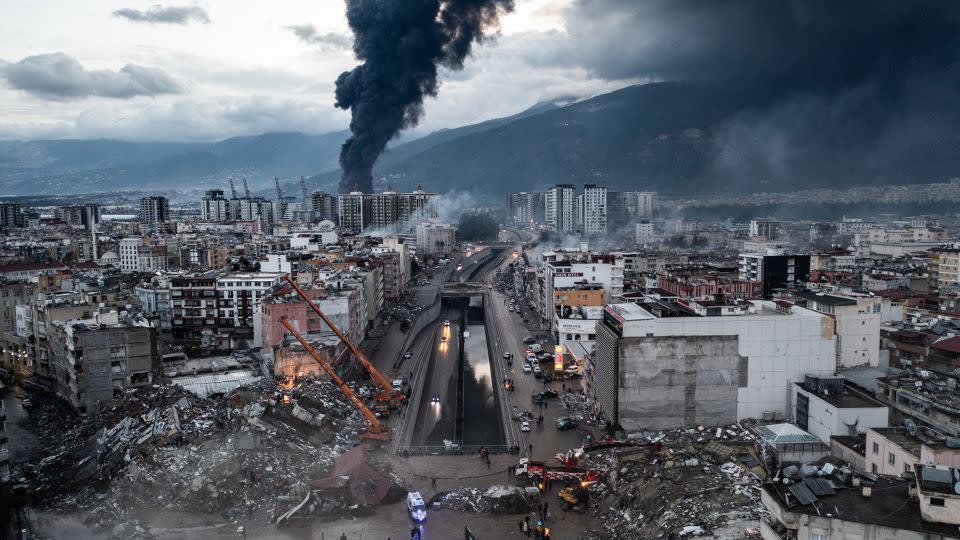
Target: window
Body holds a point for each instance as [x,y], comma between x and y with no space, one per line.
[876,448]
[815,536]
[873,468]
[906,467]
[937,501]
[891,458]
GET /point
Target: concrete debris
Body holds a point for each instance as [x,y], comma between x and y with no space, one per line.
[496,499]
[243,453]
[701,483]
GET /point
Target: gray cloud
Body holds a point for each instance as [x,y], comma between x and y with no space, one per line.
[58,76]
[330,40]
[164,15]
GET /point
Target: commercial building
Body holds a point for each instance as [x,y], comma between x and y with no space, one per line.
[775,271]
[154,210]
[94,359]
[704,363]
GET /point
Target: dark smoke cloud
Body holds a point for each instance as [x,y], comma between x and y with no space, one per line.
[847,90]
[401,44]
[164,15]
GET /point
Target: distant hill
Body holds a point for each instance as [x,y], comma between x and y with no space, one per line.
[84,166]
[680,138]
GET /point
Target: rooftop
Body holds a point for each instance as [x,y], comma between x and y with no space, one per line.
[889,505]
[843,400]
[827,299]
[901,438]
[785,433]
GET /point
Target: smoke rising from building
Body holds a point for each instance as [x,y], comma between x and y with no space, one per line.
[401,43]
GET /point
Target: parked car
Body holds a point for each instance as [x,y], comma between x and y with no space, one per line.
[527,368]
[407,355]
[565,422]
[536,399]
[26,402]
[524,426]
[528,340]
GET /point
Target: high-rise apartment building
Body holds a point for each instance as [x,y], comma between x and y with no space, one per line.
[362,212]
[526,208]
[594,212]
[154,210]
[85,215]
[561,207]
[11,216]
[323,206]
[214,206]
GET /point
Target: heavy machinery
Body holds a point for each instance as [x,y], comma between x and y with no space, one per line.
[376,431]
[576,495]
[388,394]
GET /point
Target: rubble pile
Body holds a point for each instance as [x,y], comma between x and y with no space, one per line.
[496,499]
[252,450]
[700,483]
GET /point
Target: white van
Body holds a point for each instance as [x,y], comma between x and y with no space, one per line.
[416,506]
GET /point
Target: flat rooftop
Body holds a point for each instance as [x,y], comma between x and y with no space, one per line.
[848,400]
[901,438]
[888,506]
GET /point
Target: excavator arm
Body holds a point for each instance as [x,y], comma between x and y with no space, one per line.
[377,430]
[380,379]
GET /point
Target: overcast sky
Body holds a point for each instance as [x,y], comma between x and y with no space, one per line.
[218,68]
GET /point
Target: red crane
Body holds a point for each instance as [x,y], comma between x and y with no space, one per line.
[387,393]
[376,430]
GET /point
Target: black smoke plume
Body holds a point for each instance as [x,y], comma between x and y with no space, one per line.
[401,44]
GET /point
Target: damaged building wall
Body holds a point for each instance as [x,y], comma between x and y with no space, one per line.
[667,382]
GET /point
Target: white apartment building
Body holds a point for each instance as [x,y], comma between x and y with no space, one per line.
[561,208]
[594,213]
[435,237]
[136,255]
[857,319]
[645,233]
[567,274]
[240,293]
[214,206]
[650,372]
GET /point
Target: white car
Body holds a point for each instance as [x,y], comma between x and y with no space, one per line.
[527,368]
[524,426]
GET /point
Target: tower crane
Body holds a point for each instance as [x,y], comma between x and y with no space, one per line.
[387,393]
[276,182]
[376,430]
[233,188]
[246,189]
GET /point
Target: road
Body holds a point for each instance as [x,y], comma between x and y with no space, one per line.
[437,421]
[509,331]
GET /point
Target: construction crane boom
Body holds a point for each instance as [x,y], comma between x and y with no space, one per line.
[375,373]
[276,182]
[233,189]
[377,430]
[246,189]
